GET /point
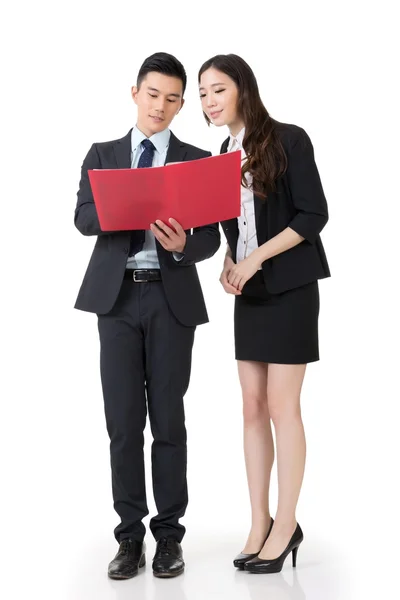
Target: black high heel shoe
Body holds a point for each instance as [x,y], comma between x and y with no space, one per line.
[274,565]
[240,559]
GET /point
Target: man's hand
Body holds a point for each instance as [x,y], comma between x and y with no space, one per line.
[228,266]
[173,241]
[244,270]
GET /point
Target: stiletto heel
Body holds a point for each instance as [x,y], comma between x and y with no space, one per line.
[294,556]
[274,565]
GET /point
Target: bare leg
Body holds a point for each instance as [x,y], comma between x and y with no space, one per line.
[258,448]
[283,391]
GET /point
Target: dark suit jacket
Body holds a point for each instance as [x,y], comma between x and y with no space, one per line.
[299,203]
[105,272]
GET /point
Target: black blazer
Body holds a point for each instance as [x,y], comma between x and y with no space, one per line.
[103,279]
[299,203]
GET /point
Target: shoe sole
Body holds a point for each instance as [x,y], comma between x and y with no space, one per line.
[120,577]
[168,575]
[265,571]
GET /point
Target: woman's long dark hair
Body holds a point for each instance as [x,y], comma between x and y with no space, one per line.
[266,158]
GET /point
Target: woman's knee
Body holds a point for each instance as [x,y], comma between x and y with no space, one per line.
[283,408]
[254,406]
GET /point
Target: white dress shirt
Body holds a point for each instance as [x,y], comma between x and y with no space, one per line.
[247,241]
[147,258]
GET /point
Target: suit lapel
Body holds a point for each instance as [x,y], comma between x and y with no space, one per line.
[258,205]
[258,209]
[224,147]
[176,150]
[230,227]
[123,151]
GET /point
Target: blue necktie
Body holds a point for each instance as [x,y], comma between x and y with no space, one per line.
[145,160]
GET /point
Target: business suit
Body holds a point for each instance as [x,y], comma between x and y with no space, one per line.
[276,316]
[146,334]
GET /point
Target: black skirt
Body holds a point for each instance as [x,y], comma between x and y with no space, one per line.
[277,328]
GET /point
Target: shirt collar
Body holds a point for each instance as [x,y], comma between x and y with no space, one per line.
[239,138]
[160,139]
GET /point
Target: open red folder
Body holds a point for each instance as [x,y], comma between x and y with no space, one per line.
[195,193]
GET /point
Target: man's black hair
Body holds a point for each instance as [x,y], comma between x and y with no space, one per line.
[164,63]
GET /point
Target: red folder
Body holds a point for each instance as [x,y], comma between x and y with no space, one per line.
[195,193]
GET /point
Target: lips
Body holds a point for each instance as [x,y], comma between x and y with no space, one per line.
[215,114]
[156,119]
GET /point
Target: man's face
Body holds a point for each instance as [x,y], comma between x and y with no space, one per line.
[158,99]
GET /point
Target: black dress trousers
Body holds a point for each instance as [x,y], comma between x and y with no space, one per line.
[145,365]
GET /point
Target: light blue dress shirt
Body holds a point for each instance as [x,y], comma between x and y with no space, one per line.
[147,258]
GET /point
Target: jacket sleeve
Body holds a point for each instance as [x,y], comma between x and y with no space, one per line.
[201,244]
[306,189]
[86,219]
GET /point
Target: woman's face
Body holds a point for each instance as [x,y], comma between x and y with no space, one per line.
[219,98]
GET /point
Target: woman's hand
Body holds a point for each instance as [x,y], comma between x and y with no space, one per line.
[228,265]
[243,271]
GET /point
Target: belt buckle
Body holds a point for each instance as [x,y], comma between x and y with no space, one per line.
[134,276]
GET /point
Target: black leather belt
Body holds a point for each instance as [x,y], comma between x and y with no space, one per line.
[143,275]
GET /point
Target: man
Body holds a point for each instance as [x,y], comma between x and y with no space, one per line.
[145,290]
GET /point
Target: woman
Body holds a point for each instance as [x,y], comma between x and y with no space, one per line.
[273,262]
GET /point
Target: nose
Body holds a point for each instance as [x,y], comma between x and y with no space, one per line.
[160,105]
[210,100]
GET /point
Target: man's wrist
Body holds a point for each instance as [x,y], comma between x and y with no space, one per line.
[178,256]
[181,248]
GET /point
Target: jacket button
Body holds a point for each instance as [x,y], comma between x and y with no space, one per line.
[126,250]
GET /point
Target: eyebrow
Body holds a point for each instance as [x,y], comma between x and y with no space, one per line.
[158,92]
[213,85]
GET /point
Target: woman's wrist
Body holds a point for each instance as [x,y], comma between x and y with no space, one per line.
[261,254]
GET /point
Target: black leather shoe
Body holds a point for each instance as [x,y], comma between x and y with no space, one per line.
[128,560]
[274,565]
[241,559]
[168,559]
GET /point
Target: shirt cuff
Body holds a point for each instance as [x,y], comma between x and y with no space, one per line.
[178,256]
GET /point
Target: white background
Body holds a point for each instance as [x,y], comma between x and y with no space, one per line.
[66,76]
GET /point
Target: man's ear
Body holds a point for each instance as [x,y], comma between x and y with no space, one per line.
[134,92]
[182,103]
